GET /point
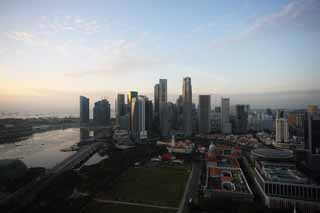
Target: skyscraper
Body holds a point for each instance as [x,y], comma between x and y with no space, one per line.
[101,113]
[204,113]
[148,115]
[187,106]
[130,96]
[282,130]
[138,130]
[84,110]
[242,112]
[156,99]
[225,116]
[120,106]
[163,108]
[312,140]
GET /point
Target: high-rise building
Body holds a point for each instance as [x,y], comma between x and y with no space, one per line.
[282,130]
[312,140]
[187,106]
[215,120]
[163,108]
[138,128]
[179,103]
[225,116]
[156,99]
[204,113]
[148,115]
[101,113]
[120,107]
[84,110]
[242,112]
[130,96]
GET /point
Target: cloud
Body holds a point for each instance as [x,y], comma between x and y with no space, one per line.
[20,36]
[287,13]
[71,23]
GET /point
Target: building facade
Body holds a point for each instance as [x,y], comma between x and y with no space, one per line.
[204,113]
[225,116]
[120,108]
[282,130]
[84,110]
[101,113]
[187,106]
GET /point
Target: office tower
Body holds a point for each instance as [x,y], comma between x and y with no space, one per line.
[138,130]
[204,114]
[130,96]
[312,140]
[179,104]
[101,113]
[120,107]
[312,108]
[163,109]
[148,115]
[84,110]
[187,106]
[172,115]
[156,99]
[225,116]
[215,120]
[282,130]
[241,118]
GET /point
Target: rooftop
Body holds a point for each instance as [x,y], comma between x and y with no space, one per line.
[272,153]
[282,172]
[229,180]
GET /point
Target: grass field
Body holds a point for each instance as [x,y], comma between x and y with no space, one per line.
[95,207]
[163,185]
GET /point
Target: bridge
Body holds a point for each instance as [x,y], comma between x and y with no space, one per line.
[25,195]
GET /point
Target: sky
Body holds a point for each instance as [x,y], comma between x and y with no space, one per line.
[53,51]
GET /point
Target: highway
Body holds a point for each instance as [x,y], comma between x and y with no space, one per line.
[24,196]
[191,188]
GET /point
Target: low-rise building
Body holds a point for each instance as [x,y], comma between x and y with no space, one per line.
[225,179]
[281,184]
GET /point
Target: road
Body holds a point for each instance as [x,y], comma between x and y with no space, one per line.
[191,188]
[135,204]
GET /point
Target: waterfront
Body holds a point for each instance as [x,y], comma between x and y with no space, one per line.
[42,149]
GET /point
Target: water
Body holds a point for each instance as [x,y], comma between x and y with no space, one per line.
[42,149]
[94,159]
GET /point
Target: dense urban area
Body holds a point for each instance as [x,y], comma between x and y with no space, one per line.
[159,156]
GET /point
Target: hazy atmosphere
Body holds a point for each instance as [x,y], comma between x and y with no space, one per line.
[226,47]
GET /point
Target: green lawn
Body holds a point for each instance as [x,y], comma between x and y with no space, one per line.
[95,207]
[162,185]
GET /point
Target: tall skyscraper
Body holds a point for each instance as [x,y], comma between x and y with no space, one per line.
[312,140]
[84,110]
[187,106]
[204,113]
[179,103]
[120,107]
[148,115]
[163,108]
[156,99]
[242,112]
[101,113]
[225,116]
[130,96]
[138,129]
[282,130]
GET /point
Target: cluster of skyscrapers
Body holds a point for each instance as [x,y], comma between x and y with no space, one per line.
[101,112]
